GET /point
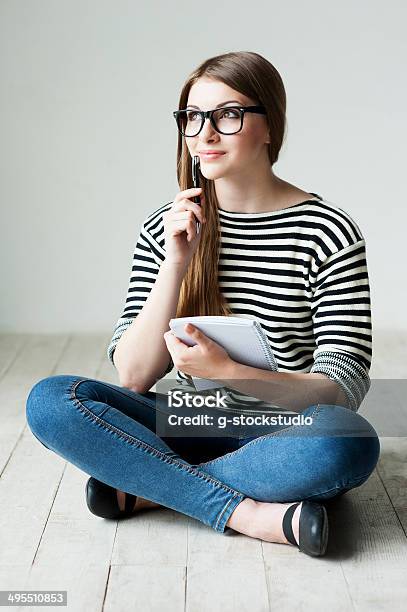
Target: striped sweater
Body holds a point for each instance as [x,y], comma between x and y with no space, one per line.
[300,271]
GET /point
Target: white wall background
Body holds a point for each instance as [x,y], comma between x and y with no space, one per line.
[81,166]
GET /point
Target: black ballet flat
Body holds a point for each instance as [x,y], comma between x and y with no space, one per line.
[101,500]
[313,533]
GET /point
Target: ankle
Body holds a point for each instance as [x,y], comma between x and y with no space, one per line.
[140,503]
[269,525]
[244,517]
[263,520]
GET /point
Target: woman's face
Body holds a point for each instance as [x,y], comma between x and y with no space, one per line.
[242,150]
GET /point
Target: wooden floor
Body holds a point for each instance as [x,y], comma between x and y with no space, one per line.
[162,559]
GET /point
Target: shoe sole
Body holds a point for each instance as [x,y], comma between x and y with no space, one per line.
[325,533]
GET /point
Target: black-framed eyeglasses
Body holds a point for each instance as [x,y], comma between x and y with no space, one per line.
[226,120]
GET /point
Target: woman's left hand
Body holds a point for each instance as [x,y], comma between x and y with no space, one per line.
[206,359]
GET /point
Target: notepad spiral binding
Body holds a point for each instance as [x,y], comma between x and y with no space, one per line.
[266,346]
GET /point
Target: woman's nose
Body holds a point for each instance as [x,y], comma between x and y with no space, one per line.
[208,127]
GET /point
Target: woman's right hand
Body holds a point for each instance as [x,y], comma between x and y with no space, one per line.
[181,238]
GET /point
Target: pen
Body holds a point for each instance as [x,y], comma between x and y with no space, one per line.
[195,179]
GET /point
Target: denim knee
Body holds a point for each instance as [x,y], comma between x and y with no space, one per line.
[348,438]
[45,403]
[350,459]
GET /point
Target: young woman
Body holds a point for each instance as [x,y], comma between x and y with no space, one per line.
[266,250]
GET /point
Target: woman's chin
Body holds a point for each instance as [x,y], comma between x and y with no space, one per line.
[211,173]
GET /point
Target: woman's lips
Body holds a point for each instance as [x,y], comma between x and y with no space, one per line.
[209,156]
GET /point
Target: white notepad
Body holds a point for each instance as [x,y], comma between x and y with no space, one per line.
[243,339]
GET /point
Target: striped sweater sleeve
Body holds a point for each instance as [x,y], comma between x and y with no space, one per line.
[341,318]
[147,258]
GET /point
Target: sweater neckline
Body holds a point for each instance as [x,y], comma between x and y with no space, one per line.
[247,215]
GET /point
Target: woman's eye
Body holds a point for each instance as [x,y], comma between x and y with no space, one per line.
[191,115]
[233,114]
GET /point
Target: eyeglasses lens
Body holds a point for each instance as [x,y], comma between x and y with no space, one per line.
[227,121]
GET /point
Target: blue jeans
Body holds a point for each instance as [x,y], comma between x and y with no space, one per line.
[109,432]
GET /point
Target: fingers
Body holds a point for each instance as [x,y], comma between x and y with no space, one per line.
[182,201]
[177,226]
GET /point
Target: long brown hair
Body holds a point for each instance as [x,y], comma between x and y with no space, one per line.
[252,75]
